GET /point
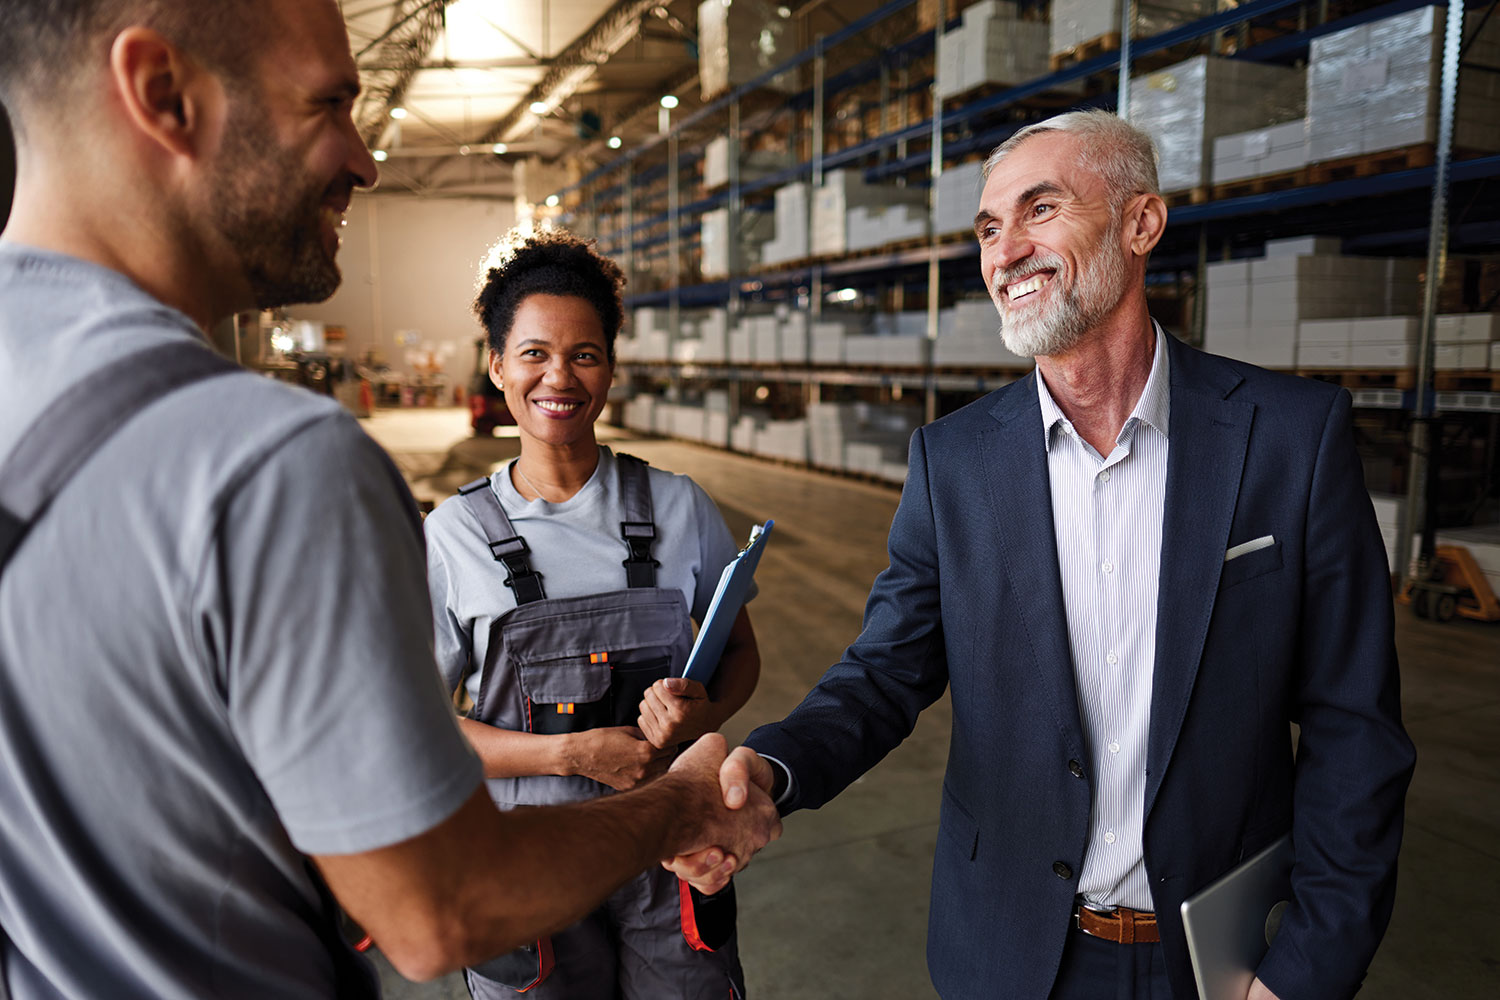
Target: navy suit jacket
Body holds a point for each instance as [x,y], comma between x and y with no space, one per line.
[1300,631]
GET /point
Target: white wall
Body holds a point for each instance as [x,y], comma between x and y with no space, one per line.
[410,265]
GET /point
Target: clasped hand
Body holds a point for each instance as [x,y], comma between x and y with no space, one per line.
[676,710]
[747,818]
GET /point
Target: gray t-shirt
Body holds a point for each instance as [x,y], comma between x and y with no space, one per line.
[214,653]
[577,549]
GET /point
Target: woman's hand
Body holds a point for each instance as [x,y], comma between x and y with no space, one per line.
[677,710]
[618,756]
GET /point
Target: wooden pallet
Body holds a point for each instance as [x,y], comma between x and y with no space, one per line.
[1194,196]
[1374,378]
[1466,381]
[1369,164]
[1265,184]
[1084,51]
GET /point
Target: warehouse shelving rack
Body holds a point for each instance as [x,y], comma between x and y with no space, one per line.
[1385,210]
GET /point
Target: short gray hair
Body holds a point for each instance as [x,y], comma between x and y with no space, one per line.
[1110,146]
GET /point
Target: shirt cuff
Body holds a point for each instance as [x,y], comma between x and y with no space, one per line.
[784,781]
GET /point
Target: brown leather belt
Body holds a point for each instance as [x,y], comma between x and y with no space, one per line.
[1120,925]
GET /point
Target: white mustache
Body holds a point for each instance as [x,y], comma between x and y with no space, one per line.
[1019,272]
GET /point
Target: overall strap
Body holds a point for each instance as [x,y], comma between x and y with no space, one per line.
[83,417]
[505,545]
[70,429]
[639,527]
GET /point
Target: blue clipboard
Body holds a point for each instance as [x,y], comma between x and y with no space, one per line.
[729,598]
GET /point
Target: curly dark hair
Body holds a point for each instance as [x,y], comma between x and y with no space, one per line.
[550,263]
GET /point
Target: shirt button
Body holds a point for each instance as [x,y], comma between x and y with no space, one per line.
[1114,747]
[1111,659]
[1061,870]
[1104,476]
[1076,768]
[1109,837]
[1108,567]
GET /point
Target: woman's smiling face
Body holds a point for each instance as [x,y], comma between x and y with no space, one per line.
[555,369]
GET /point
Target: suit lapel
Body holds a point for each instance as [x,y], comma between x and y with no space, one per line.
[1015,465]
[1207,437]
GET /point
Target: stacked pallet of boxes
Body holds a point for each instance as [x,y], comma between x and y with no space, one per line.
[1390,512]
[992,45]
[1187,106]
[652,339]
[862,437]
[1274,311]
[1261,152]
[717,241]
[790,241]
[1076,22]
[754,164]
[958,191]
[1467,342]
[738,40]
[969,337]
[849,214]
[895,340]
[1375,87]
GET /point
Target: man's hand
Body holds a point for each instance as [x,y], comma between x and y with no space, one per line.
[618,756]
[1258,991]
[743,773]
[676,710]
[740,817]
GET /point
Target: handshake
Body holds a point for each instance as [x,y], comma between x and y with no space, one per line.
[731,815]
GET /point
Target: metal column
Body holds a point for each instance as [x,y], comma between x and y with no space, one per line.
[1127,20]
[674,239]
[1420,469]
[815,279]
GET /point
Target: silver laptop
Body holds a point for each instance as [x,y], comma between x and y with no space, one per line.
[1230,924]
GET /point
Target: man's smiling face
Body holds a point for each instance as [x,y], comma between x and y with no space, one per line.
[1050,247]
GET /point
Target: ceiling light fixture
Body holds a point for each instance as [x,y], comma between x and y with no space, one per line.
[615,142]
[380,155]
[552,201]
[398,113]
[499,148]
[669,101]
[539,107]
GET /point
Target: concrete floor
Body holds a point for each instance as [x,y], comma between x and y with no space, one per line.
[838,907]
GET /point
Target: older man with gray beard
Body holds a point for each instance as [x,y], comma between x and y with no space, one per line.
[1135,567]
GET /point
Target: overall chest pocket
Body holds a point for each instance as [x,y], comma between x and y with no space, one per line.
[585,667]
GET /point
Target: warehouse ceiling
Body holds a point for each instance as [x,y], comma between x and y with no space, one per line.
[449,84]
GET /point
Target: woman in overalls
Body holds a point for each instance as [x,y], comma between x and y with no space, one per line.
[563,587]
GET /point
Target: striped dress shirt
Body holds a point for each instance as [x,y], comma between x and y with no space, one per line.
[1107,517]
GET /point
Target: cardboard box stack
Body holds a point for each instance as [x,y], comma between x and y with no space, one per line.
[849,214]
[861,437]
[1267,310]
[1376,86]
[1275,149]
[1187,106]
[790,241]
[1077,21]
[1466,342]
[991,45]
[755,229]
[738,40]
[969,337]
[958,190]
[784,439]
[753,165]
[1390,510]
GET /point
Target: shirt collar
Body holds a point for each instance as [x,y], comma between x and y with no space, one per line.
[1153,408]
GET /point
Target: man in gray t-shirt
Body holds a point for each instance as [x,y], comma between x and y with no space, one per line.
[217,686]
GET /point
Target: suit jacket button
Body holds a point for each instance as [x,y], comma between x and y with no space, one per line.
[1062,871]
[1076,768]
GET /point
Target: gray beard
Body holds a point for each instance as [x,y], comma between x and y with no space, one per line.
[1058,327]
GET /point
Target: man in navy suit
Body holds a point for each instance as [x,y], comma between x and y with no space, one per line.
[1136,568]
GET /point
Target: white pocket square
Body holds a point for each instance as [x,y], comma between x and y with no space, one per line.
[1254,545]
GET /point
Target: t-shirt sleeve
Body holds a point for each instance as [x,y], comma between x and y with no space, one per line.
[326,657]
[717,548]
[451,638]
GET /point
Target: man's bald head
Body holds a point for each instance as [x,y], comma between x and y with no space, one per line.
[50,47]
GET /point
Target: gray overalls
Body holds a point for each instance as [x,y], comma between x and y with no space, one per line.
[561,665]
